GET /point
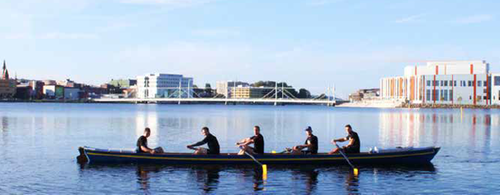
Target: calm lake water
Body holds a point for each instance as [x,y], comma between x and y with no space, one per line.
[38,146]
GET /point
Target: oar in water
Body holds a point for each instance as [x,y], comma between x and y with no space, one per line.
[345,157]
[264,166]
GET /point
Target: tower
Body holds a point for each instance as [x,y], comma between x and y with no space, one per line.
[5,72]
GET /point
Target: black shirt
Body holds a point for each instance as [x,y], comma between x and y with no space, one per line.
[211,141]
[356,143]
[142,141]
[313,140]
[258,143]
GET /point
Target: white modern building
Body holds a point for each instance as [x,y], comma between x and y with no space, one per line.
[159,85]
[443,82]
[224,87]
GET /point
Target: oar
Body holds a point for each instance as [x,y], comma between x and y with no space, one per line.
[264,166]
[345,157]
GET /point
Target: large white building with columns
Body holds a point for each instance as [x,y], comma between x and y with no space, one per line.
[444,82]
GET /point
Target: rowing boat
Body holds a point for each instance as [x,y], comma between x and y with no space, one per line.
[413,156]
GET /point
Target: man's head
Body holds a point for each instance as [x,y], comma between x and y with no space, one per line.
[256,130]
[205,131]
[348,128]
[309,131]
[147,132]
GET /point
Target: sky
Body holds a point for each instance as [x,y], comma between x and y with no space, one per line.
[313,44]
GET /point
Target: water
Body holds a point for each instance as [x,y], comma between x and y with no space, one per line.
[38,146]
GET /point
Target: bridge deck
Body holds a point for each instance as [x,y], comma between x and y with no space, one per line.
[221,100]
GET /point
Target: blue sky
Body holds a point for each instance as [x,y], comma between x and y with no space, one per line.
[307,43]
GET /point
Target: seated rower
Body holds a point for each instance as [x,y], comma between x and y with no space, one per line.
[352,137]
[142,144]
[257,140]
[311,144]
[210,140]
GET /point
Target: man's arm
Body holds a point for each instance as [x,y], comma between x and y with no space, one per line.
[146,149]
[246,141]
[204,141]
[340,139]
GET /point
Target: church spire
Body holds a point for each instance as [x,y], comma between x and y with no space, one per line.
[5,73]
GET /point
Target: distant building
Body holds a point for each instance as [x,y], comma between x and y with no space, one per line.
[50,82]
[68,83]
[224,87]
[247,92]
[443,82]
[23,92]
[495,89]
[53,91]
[7,85]
[71,93]
[159,85]
[36,89]
[123,83]
[364,94]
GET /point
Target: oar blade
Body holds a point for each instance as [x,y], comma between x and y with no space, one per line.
[264,172]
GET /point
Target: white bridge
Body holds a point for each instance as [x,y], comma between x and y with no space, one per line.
[219,100]
[276,95]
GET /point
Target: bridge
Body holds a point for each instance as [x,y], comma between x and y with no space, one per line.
[218,100]
[275,95]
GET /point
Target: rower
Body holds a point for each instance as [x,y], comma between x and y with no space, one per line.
[311,144]
[142,144]
[352,137]
[257,140]
[210,140]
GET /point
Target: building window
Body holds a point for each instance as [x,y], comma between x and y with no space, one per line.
[497,81]
[470,83]
[445,95]
[445,83]
[485,84]
[441,83]
[455,83]
[451,95]
[470,97]
[428,95]
[479,83]
[428,83]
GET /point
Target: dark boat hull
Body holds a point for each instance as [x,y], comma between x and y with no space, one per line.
[411,157]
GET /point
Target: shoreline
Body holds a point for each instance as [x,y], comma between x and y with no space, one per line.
[364,104]
[448,106]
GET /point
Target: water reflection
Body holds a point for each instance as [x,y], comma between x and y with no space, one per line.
[207,177]
[307,175]
[143,176]
[422,128]
[351,183]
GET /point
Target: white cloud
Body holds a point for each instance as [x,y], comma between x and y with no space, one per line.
[174,3]
[322,2]
[413,18]
[474,19]
[216,32]
[60,35]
